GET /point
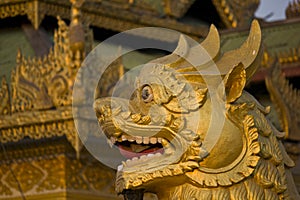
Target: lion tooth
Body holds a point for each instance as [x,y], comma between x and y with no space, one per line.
[119,139]
[128,162]
[124,164]
[120,167]
[139,140]
[124,138]
[159,140]
[164,142]
[113,140]
[134,158]
[143,157]
[130,139]
[157,154]
[109,142]
[150,155]
[153,140]
[145,140]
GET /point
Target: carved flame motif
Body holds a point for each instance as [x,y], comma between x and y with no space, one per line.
[38,103]
[166,146]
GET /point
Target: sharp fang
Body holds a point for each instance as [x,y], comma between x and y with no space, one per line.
[109,142]
[159,140]
[120,167]
[153,140]
[113,140]
[124,164]
[139,140]
[164,142]
[145,140]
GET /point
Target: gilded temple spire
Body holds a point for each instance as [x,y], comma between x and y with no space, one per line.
[76,33]
[293,9]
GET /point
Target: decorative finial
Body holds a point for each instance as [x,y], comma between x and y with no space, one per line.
[76,27]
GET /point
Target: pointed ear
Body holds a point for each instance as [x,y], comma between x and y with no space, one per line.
[234,83]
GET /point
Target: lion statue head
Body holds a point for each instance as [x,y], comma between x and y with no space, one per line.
[190,131]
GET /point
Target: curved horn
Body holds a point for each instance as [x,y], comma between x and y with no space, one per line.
[182,47]
[249,54]
[207,50]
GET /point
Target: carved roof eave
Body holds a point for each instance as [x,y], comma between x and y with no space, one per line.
[96,15]
[37,125]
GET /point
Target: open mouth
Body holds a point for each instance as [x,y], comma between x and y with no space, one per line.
[136,148]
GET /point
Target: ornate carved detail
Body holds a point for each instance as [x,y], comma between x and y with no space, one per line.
[43,83]
[236,13]
[4,189]
[53,168]
[286,100]
[98,181]
[293,9]
[41,90]
[5,107]
[35,13]
[290,56]
[110,15]
[12,10]
[185,160]
[27,174]
[55,174]
[37,125]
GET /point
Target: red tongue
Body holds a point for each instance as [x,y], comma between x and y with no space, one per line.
[130,154]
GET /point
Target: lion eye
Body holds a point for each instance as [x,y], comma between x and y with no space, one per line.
[147,94]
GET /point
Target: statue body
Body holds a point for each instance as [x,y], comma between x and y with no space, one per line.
[190,135]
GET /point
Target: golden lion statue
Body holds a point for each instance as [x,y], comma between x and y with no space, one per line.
[190,134]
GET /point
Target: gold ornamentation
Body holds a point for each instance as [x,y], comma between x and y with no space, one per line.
[12,10]
[52,168]
[293,9]
[27,174]
[35,13]
[287,107]
[4,189]
[290,56]
[236,13]
[35,87]
[4,98]
[39,104]
[112,15]
[247,160]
